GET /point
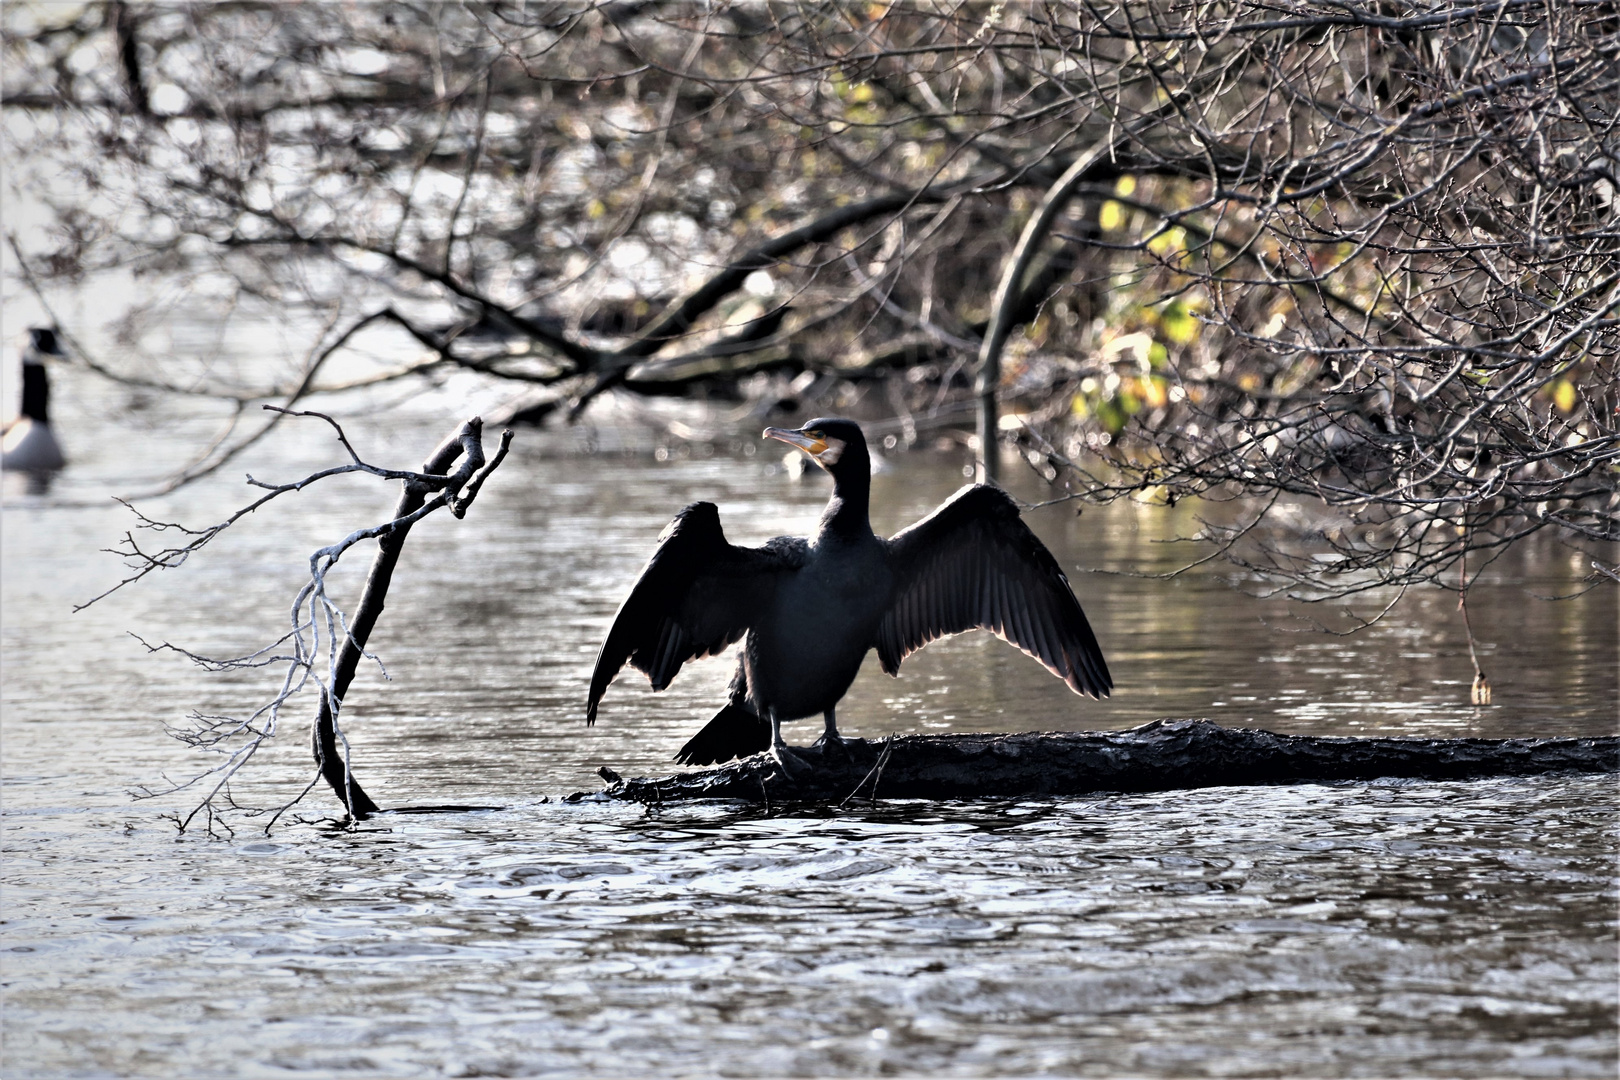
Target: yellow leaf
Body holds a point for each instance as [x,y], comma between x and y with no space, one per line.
[1111,216]
[1153,392]
[1178,325]
[1172,239]
[595,209]
[1564,395]
[1125,185]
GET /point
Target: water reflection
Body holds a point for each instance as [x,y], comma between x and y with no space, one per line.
[1463,929]
[1369,928]
[33,483]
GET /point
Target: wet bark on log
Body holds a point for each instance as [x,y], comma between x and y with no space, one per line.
[1164,755]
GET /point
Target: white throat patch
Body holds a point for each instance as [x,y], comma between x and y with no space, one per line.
[834,451]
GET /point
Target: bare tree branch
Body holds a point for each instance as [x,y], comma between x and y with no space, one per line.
[320,633]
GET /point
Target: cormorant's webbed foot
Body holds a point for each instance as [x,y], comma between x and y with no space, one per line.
[832,746]
[792,764]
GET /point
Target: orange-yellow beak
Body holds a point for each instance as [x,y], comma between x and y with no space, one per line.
[810,444]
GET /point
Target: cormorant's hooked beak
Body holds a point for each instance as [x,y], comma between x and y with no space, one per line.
[823,450]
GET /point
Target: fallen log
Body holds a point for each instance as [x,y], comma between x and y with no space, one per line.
[1164,755]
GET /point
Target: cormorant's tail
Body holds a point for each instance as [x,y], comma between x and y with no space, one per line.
[733,733]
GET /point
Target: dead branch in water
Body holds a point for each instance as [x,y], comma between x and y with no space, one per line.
[320,628]
[1165,755]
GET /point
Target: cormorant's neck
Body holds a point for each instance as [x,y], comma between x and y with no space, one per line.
[846,513]
[36,393]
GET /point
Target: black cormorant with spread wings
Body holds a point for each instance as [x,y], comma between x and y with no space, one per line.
[811,608]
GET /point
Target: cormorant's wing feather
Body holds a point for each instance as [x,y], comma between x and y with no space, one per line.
[974,564]
[697,594]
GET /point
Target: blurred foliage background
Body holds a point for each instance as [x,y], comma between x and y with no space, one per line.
[1354,264]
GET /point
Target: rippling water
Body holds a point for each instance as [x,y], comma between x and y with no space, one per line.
[1356,929]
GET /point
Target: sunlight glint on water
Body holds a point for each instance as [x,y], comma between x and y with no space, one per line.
[1360,929]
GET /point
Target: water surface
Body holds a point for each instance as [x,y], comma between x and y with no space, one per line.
[1343,930]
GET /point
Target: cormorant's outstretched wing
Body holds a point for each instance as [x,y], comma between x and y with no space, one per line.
[697,595]
[974,564]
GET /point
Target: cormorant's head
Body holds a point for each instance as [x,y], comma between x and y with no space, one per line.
[828,440]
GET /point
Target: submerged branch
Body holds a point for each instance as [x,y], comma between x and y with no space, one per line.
[1165,755]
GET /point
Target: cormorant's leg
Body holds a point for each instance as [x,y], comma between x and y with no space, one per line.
[792,764]
[831,741]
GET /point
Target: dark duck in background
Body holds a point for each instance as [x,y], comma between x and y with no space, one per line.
[811,608]
[28,444]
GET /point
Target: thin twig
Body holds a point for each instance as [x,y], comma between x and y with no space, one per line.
[319,628]
[874,774]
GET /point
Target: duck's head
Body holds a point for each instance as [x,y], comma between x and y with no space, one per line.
[42,342]
[834,443]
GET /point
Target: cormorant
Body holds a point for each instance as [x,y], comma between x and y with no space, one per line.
[28,445]
[811,608]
